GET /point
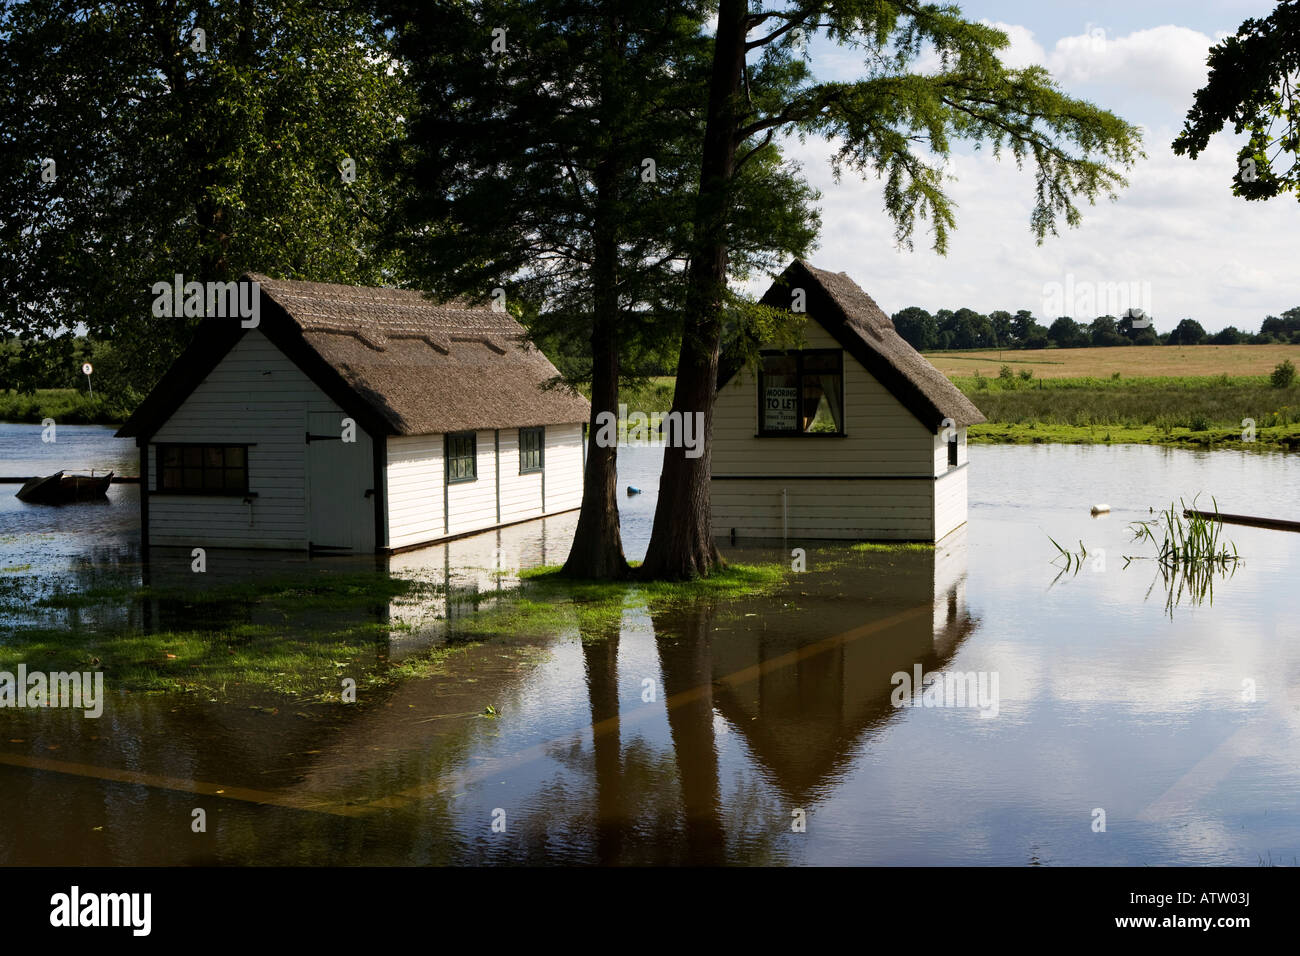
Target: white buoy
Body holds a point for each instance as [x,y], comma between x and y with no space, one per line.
[1100,509]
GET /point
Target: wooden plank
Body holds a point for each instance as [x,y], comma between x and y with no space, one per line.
[1276,524]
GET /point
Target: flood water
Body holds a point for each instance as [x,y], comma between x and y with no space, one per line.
[751,731]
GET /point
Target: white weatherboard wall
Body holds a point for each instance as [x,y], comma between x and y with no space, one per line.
[416,476]
[416,472]
[255,396]
[850,510]
[949,486]
[564,467]
[882,439]
[521,495]
[472,505]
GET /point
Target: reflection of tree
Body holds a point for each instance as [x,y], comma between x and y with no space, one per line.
[600,657]
[686,666]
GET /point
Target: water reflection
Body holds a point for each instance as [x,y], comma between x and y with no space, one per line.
[588,761]
[761,706]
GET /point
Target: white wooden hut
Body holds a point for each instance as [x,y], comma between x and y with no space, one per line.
[354,420]
[854,435]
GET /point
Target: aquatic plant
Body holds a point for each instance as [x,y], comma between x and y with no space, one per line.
[1190,553]
[1188,537]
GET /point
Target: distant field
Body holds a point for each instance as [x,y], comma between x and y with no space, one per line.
[1129,361]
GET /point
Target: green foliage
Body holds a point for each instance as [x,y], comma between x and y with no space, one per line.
[169,159]
[1283,374]
[1204,410]
[65,405]
[1251,83]
[527,170]
[1065,333]
[1187,332]
[1190,552]
[918,327]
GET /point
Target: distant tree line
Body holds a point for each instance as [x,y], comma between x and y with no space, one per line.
[968,329]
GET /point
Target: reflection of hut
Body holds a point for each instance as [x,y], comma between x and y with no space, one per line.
[805,717]
[853,436]
[354,420]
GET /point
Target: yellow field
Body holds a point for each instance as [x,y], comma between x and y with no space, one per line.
[1130,361]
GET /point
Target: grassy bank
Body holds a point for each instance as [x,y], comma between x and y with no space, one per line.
[652,395]
[66,406]
[1197,411]
[297,638]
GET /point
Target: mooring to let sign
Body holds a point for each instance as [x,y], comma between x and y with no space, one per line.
[782,407]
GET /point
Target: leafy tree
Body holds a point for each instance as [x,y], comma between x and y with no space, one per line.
[1102,333]
[1274,327]
[561,166]
[918,327]
[974,328]
[1187,332]
[1065,333]
[1252,84]
[175,152]
[1022,324]
[1283,374]
[1035,338]
[899,121]
[1001,323]
[1229,336]
[1144,335]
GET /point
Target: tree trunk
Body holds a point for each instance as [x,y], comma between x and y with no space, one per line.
[597,550]
[681,541]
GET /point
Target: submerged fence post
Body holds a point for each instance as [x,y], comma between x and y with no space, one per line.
[785,515]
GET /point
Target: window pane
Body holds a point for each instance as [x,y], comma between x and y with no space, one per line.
[234,479]
[213,457]
[235,456]
[171,456]
[192,478]
[192,456]
[823,409]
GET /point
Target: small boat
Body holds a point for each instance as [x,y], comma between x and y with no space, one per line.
[59,489]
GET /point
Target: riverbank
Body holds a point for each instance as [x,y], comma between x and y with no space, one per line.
[1189,411]
[66,406]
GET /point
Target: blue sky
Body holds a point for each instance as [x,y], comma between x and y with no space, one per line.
[1176,237]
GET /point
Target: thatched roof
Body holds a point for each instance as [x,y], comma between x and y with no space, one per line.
[840,306]
[407,364]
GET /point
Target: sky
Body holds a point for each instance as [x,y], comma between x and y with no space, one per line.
[1176,241]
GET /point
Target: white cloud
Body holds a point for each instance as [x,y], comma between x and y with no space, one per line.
[1205,253]
[1167,62]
